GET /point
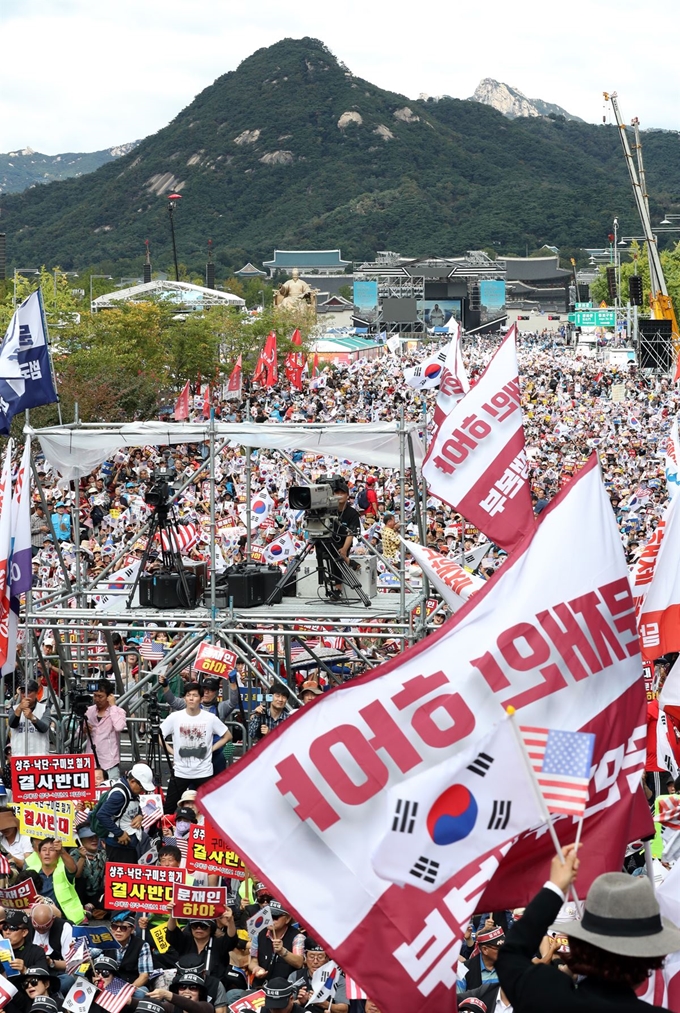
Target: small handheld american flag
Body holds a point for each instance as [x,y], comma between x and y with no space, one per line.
[561,762]
[151,650]
[115,996]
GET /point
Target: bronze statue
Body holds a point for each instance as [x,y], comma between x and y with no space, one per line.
[295,294]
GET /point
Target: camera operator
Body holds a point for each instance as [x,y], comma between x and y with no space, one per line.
[105,722]
[29,723]
[344,527]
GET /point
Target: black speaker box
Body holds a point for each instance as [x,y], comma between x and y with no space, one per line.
[163,590]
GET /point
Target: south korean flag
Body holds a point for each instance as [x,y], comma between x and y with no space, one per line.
[443,819]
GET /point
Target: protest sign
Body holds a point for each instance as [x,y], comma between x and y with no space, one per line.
[7,992]
[98,936]
[209,852]
[139,887]
[198,901]
[212,660]
[159,937]
[51,778]
[253,1001]
[20,897]
[6,956]
[48,819]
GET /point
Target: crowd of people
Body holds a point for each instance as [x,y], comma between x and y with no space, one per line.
[573,404]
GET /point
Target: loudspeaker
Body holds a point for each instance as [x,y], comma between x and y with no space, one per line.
[475,298]
[656,347]
[162,590]
[199,568]
[635,290]
[611,283]
[249,584]
[210,275]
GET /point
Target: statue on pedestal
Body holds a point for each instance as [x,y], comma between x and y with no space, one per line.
[295,294]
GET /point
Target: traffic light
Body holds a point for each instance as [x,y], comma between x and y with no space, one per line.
[635,290]
[553,317]
[611,283]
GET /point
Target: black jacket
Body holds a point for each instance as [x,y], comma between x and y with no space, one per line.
[531,987]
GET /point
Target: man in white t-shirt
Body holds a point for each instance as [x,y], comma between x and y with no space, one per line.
[192,731]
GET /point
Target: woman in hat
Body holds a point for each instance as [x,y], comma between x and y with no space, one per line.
[37,981]
[188,994]
[618,943]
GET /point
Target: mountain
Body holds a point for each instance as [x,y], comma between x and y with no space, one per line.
[513,103]
[291,150]
[22,169]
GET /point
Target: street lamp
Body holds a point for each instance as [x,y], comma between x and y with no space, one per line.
[108,276]
[172,200]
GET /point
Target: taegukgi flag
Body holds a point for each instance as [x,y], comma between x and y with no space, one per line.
[477,461]
[427,374]
[555,639]
[443,819]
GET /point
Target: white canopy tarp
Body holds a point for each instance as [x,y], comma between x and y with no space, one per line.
[78,450]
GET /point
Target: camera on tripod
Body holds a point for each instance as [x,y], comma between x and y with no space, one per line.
[158,495]
[320,505]
[153,712]
[80,701]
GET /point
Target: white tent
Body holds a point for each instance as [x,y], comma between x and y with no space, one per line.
[180,294]
[78,450]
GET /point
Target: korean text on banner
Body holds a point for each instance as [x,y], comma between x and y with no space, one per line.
[21,897]
[48,819]
[453,583]
[477,461]
[554,639]
[209,852]
[194,902]
[660,610]
[212,660]
[140,887]
[51,778]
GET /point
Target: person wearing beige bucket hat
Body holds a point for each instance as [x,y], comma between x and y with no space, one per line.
[619,941]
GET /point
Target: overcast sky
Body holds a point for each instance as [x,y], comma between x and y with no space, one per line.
[79,75]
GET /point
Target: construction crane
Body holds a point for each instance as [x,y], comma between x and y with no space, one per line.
[660,302]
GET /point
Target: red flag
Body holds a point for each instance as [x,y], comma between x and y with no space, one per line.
[182,404]
[266,364]
[206,402]
[5,551]
[295,362]
[315,365]
[234,382]
[520,642]
[477,461]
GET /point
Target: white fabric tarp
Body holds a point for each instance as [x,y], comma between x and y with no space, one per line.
[78,451]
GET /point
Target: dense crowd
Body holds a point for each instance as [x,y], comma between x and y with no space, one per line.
[573,405]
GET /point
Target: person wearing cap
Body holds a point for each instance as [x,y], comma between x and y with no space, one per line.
[310,690]
[316,957]
[280,994]
[268,716]
[613,949]
[277,949]
[105,969]
[105,722]
[38,990]
[192,733]
[29,723]
[16,928]
[57,872]
[482,964]
[135,963]
[120,813]
[216,992]
[61,522]
[12,843]
[346,526]
[198,936]
[90,859]
[189,994]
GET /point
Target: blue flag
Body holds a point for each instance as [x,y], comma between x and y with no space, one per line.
[25,368]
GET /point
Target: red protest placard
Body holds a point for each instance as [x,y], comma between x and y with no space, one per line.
[209,852]
[51,778]
[198,901]
[213,660]
[21,897]
[139,887]
[252,1001]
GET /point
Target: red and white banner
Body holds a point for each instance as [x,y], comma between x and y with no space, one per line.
[233,390]
[453,583]
[213,660]
[266,370]
[643,572]
[660,611]
[198,901]
[477,460]
[180,540]
[295,362]
[5,550]
[53,778]
[454,383]
[553,638]
[182,404]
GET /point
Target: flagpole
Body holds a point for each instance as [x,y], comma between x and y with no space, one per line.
[49,353]
[213,531]
[249,528]
[537,790]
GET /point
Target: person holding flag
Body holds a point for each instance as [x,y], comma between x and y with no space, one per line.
[315,958]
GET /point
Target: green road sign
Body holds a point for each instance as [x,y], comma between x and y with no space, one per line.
[583,306]
[594,318]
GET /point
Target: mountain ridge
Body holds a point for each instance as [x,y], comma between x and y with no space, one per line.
[513,103]
[292,150]
[25,167]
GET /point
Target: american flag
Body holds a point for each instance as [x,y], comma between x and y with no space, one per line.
[115,996]
[180,842]
[561,762]
[152,810]
[669,811]
[151,650]
[352,989]
[78,953]
[181,540]
[5,867]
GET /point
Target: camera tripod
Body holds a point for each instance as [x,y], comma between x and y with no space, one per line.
[156,749]
[332,569]
[76,733]
[164,522]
